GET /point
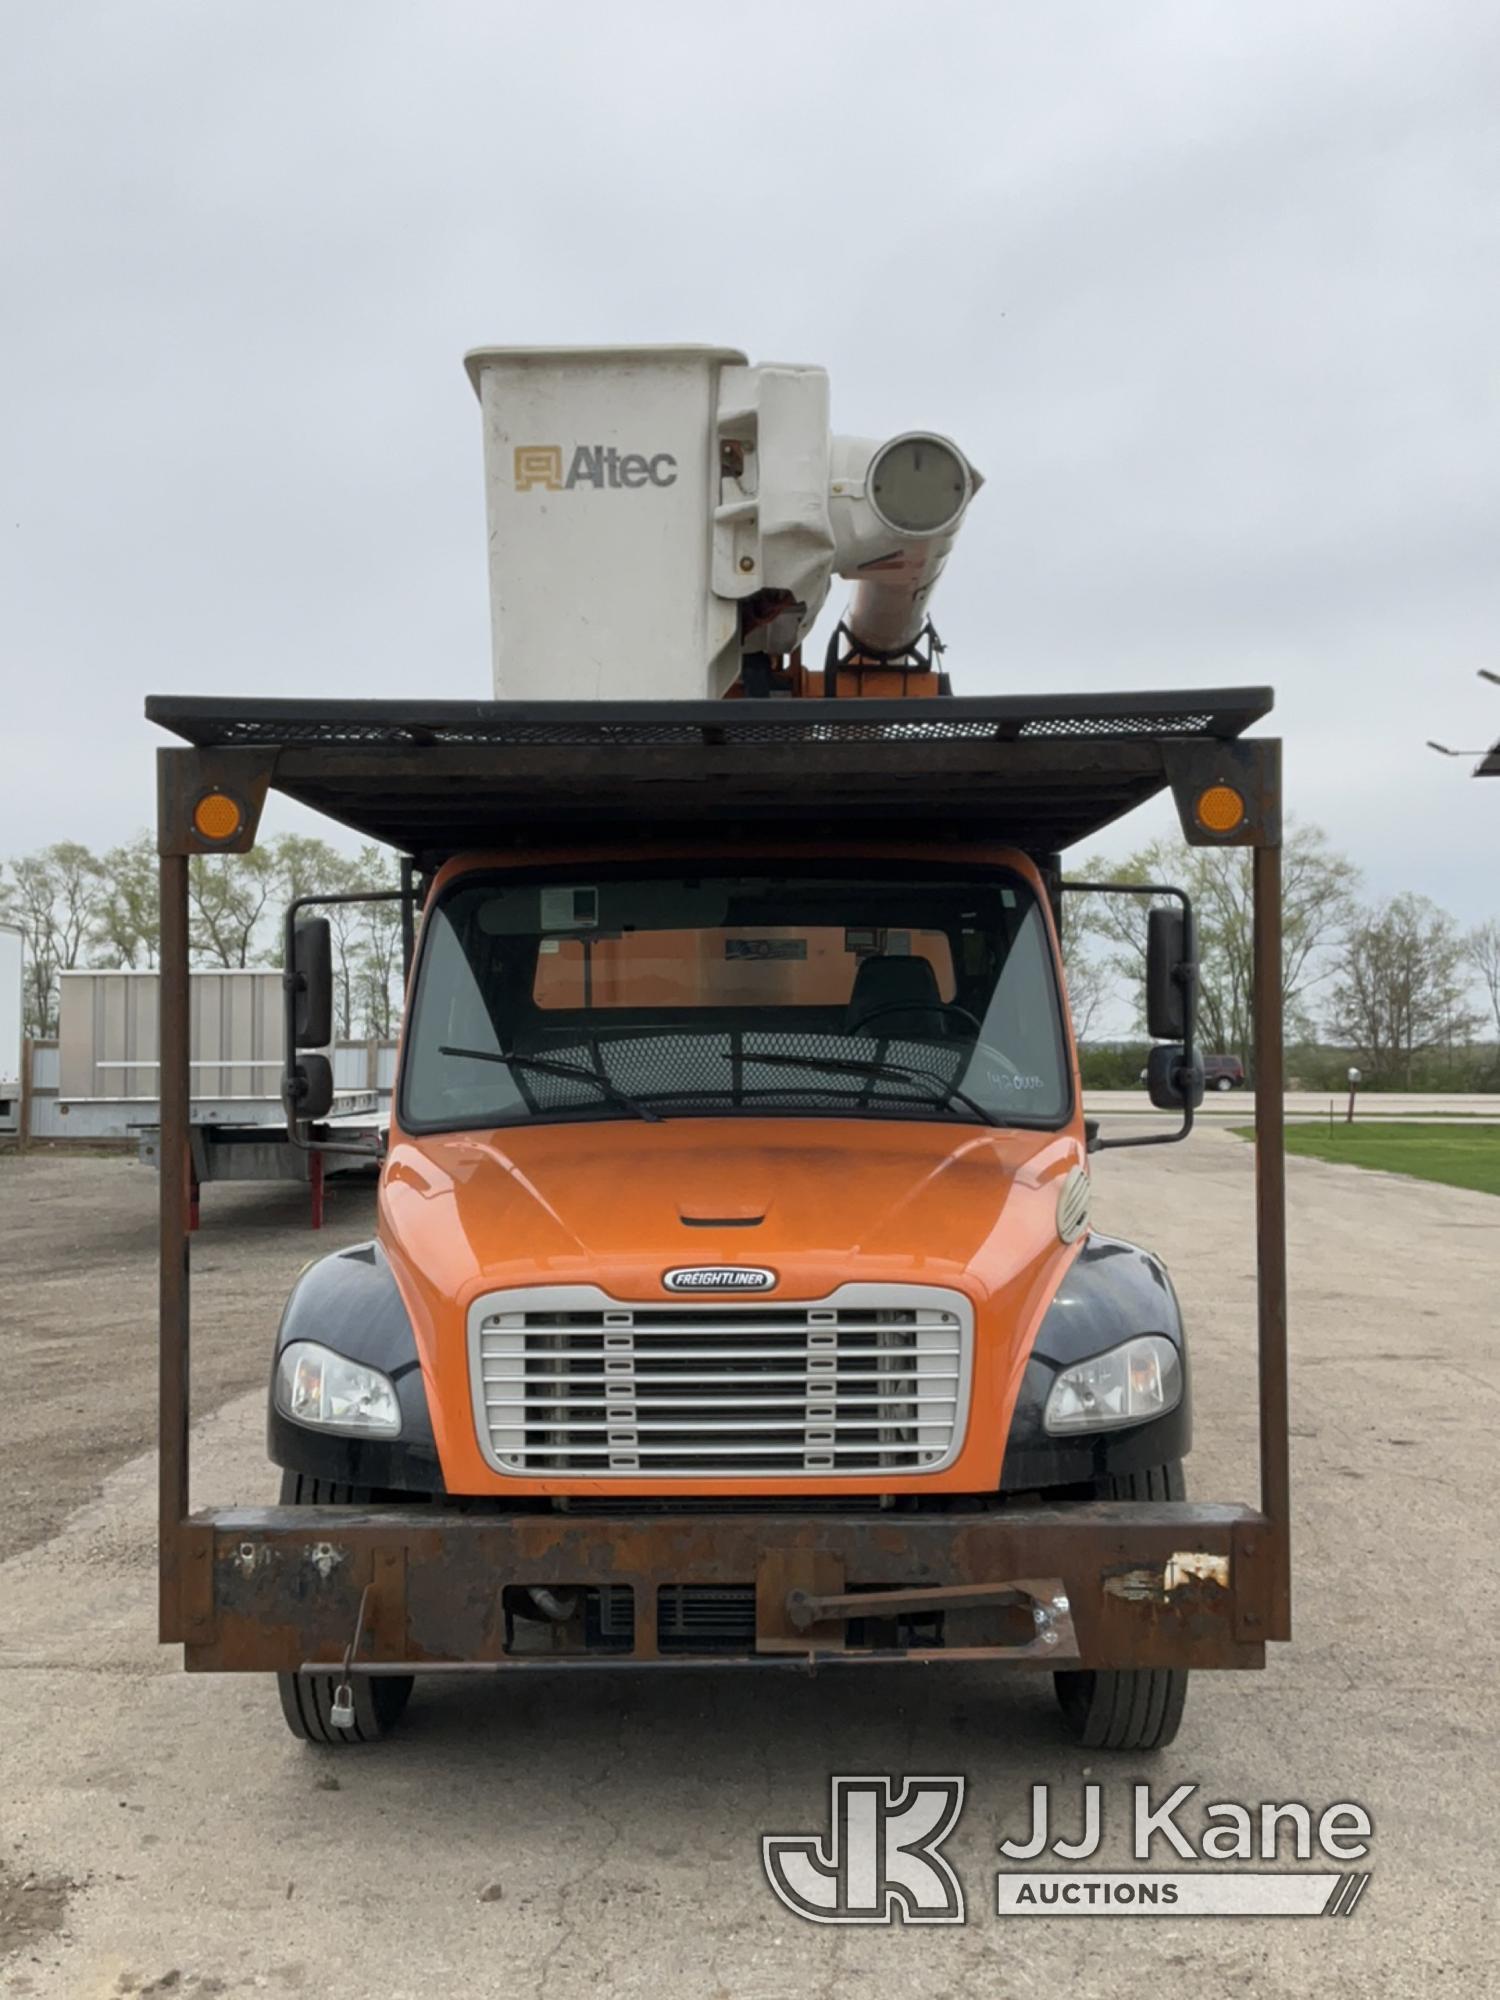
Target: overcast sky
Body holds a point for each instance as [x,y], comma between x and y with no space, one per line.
[1209,291]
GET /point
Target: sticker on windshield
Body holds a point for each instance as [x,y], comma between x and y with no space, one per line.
[1000,1080]
[570,909]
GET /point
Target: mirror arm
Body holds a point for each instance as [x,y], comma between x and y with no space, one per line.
[1187,974]
[292,983]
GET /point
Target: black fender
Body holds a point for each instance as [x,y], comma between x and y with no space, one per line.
[349,1301]
[1111,1291]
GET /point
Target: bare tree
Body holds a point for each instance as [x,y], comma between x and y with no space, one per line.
[1400,986]
[380,947]
[126,926]
[1086,974]
[345,924]
[1483,948]
[306,866]
[74,908]
[27,902]
[1317,890]
[54,897]
[228,895]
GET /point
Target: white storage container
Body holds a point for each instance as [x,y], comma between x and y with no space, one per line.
[107,1033]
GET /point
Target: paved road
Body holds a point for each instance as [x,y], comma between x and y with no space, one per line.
[78,1273]
[593,1836]
[1237,1107]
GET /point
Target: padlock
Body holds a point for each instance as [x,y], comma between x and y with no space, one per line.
[341,1715]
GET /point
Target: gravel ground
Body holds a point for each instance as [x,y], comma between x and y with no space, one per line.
[78,1257]
[587,1834]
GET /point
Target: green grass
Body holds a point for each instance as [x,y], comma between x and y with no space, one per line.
[1444,1153]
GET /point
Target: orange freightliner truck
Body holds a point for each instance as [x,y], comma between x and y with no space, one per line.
[734,1298]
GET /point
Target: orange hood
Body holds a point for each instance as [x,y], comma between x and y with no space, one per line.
[822,1202]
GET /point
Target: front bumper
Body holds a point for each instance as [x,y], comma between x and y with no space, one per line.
[392,1589]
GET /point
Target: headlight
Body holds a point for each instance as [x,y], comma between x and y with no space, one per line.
[1130,1383]
[316,1386]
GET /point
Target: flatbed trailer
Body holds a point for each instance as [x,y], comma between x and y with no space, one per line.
[419,1588]
[228,1149]
[106,1079]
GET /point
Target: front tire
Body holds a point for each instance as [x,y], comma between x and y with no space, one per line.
[307,1699]
[1223,1083]
[1135,1708]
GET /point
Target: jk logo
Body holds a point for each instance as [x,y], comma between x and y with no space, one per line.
[880,1864]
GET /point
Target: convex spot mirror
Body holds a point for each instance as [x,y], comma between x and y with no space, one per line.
[311,974]
[309,1088]
[1170,1081]
[1168,985]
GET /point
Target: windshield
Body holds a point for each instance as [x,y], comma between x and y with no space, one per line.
[662,995]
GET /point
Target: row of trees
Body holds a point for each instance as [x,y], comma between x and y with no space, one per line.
[77,908]
[1392,983]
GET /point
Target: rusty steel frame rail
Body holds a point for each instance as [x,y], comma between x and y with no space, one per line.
[1146,1584]
[278,1588]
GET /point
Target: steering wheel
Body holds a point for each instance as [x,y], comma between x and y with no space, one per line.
[918,1007]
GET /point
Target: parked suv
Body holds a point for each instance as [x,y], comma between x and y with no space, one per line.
[1220,1073]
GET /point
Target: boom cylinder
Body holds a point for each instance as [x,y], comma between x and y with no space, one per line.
[897,508]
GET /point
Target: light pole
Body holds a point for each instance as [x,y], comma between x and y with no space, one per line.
[1489,760]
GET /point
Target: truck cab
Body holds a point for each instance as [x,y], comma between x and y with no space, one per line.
[738,1172]
[829,1100]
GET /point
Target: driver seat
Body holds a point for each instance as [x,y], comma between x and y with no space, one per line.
[908,987]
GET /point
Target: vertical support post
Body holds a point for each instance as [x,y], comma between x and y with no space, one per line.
[1270,1225]
[315,1186]
[174,1183]
[408,921]
[23,1129]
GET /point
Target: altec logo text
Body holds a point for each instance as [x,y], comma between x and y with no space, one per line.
[598,465]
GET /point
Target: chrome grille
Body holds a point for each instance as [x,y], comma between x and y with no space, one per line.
[874,1379]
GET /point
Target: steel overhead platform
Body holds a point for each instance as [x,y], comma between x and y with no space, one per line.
[433,778]
[401,1589]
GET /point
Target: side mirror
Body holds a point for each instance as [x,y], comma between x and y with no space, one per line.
[308,1089]
[311,977]
[1170,1082]
[1169,989]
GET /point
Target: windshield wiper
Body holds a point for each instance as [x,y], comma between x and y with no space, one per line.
[573,1072]
[897,1072]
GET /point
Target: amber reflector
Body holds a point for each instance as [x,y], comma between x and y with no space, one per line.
[1220,809]
[217,816]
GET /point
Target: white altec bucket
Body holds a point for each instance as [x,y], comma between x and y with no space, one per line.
[632,507]
[601,478]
